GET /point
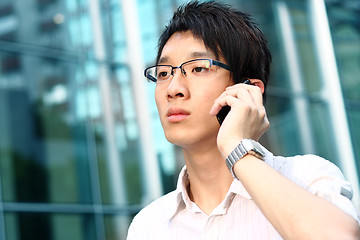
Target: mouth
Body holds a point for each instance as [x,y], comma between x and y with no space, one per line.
[176,115]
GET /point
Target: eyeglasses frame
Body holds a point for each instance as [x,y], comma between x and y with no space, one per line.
[212,62]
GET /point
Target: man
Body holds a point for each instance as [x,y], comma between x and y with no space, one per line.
[231,186]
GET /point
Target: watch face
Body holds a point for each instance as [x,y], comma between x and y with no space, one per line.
[259,148]
[251,145]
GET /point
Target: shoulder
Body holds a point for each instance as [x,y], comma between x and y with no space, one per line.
[306,169]
[320,177]
[153,216]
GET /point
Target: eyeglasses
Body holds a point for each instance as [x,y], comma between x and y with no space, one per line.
[196,68]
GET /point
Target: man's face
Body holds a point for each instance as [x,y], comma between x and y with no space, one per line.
[184,103]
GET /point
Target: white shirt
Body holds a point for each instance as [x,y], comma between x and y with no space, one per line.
[175,216]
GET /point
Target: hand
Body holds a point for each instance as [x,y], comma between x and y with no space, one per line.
[247,117]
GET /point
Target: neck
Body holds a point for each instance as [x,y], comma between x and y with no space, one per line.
[209,177]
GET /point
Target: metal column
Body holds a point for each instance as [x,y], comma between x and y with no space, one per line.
[115,169]
[296,79]
[332,93]
[150,165]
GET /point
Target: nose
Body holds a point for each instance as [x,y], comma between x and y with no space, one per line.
[178,86]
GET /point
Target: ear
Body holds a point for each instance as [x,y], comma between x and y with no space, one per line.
[259,84]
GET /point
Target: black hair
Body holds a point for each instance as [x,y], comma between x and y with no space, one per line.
[225,32]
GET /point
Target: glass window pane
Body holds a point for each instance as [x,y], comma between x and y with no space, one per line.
[116,226]
[29,226]
[44,152]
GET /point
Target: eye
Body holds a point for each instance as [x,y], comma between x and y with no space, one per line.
[200,70]
[163,75]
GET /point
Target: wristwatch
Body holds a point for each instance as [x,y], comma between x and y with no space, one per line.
[246,146]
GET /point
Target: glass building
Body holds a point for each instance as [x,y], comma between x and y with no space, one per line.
[81,146]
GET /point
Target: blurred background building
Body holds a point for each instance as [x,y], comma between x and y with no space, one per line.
[81,145]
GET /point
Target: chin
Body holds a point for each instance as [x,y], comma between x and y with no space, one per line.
[192,138]
[190,133]
[178,139]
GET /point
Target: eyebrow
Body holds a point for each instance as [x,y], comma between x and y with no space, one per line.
[202,54]
[192,55]
[163,59]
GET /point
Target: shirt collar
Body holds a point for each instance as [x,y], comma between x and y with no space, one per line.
[183,199]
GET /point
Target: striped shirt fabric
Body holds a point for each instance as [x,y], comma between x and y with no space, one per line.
[174,216]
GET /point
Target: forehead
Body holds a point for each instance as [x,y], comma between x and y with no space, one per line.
[183,46]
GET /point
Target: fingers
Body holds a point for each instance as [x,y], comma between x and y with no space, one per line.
[221,102]
[246,119]
[239,94]
[254,91]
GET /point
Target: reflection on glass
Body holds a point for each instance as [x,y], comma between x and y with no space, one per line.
[29,226]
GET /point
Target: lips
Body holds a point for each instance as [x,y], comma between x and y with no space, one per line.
[175,114]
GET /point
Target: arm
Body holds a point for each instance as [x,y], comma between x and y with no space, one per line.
[294,212]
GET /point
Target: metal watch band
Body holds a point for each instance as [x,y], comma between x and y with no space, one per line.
[245,146]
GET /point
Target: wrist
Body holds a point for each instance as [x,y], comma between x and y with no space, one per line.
[244,148]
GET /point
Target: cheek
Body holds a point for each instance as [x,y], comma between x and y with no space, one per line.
[216,87]
[210,95]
